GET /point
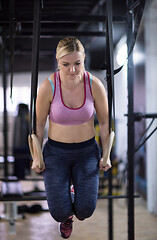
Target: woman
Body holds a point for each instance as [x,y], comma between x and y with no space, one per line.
[71,154]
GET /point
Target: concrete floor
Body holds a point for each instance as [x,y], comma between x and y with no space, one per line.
[42,226]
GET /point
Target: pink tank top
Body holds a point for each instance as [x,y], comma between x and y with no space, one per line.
[64,115]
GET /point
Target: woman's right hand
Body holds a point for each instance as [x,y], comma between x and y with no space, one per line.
[35,166]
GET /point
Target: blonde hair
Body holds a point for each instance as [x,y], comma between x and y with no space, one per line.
[68,45]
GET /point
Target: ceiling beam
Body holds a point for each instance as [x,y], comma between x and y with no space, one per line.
[63,19]
[61,34]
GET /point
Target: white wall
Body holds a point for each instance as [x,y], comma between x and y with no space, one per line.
[151,102]
[121,99]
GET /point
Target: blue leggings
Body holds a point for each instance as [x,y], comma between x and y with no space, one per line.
[76,163]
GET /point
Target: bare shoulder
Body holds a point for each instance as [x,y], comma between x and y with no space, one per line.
[96,82]
[51,77]
[46,83]
[97,87]
[45,88]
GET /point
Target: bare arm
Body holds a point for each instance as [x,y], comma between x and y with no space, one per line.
[43,101]
[101,107]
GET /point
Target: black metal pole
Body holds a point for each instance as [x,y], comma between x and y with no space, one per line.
[130,78]
[35,61]
[110,208]
[110,86]
[5,114]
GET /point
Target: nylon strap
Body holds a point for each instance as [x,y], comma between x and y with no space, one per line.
[109,61]
[35,60]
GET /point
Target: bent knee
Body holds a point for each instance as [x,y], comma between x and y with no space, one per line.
[59,216]
[83,212]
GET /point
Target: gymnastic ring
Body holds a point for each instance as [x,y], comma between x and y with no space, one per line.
[108,148]
[34,143]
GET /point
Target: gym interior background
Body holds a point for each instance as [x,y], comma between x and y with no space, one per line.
[86,20]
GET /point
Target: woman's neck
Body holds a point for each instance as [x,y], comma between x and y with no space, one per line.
[71,82]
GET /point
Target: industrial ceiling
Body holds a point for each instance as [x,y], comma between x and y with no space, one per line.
[85,19]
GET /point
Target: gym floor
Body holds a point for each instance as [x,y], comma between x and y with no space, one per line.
[42,226]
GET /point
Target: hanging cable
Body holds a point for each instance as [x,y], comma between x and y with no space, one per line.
[143,139]
[146,139]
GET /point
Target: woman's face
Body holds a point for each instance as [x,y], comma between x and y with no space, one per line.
[72,65]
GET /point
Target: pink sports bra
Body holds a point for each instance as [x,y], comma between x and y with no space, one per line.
[64,115]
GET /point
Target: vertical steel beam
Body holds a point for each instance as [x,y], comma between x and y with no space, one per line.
[130,79]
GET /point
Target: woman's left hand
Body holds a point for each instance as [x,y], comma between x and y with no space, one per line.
[108,165]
